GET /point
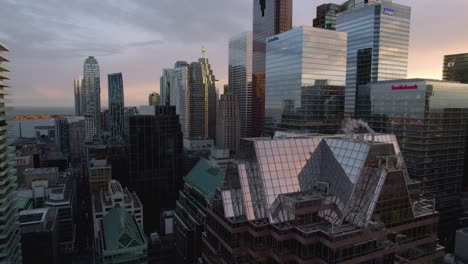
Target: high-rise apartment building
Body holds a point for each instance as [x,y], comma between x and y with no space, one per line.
[116,106]
[92,91]
[456,67]
[79,96]
[378,40]
[154,99]
[77,134]
[166,83]
[305,80]
[155,158]
[90,128]
[335,199]
[240,79]
[62,135]
[270,17]
[179,95]
[430,121]
[10,247]
[227,125]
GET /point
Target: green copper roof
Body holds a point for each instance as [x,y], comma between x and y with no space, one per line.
[121,230]
[205,178]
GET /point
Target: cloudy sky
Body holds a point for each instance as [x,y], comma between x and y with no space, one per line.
[49,40]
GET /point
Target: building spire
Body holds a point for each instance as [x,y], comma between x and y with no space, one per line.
[203,51]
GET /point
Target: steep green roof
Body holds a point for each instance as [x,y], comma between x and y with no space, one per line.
[205,178]
[121,230]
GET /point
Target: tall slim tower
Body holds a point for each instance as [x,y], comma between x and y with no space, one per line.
[10,247]
[92,90]
[78,91]
[378,41]
[240,79]
[270,17]
[227,124]
[116,105]
[166,83]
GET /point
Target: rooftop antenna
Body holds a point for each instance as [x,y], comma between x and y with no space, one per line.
[203,51]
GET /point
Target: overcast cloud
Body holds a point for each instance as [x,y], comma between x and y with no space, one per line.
[49,40]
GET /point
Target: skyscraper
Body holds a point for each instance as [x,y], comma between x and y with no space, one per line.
[378,40]
[154,99]
[240,79]
[430,121]
[92,90]
[10,247]
[166,83]
[456,67]
[305,80]
[227,124]
[78,91]
[116,106]
[270,17]
[90,128]
[77,138]
[155,158]
[180,95]
[62,135]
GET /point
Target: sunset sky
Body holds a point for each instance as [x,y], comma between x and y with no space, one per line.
[49,40]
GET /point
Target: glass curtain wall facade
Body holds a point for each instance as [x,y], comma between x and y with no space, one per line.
[165,85]
[116,106]
[180,94]
[430,121]
[456,67]
[270,17]
[305,79]
[10,246]
[378,40]
[240,79]
[92,90]
[78,92]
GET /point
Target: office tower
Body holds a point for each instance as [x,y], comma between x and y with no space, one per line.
[116,106]
[166,86]
[270,17]
[90,128]
[199,188]
[154,99]
[121,239]
[77,138]
[201,100]
[334,199]
[378,39]
[78,91]
[456,67]
[39,235]
[155,158]
[99,174]
[429,119]
[115,195]
[62,135]
[104,121]
[305,79]
[326,16]
[92,91]
[240,79]
[10,246]
[227,125]
[179,97]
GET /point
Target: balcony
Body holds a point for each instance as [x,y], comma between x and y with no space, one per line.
[4,68]
[3,57]
[4,84]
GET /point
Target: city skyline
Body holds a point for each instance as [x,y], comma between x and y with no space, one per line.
[148,44]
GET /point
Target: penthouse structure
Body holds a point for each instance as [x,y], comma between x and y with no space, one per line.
[313,199]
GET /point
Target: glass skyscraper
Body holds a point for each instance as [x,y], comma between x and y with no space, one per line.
[305,79]
[456,67]
[166,81]
[116,105]
[92,90]
[378,40]
[270,17]
[78,92]
[430,121]
[240,79]
[10,246]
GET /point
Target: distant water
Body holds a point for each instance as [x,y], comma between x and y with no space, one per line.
[27,126]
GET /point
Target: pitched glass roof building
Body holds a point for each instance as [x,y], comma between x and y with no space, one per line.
[316,199]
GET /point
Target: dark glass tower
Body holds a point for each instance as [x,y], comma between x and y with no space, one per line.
[270,17]
[92,91]
[116,105]
[456,67]
[430,121]
[155,158]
